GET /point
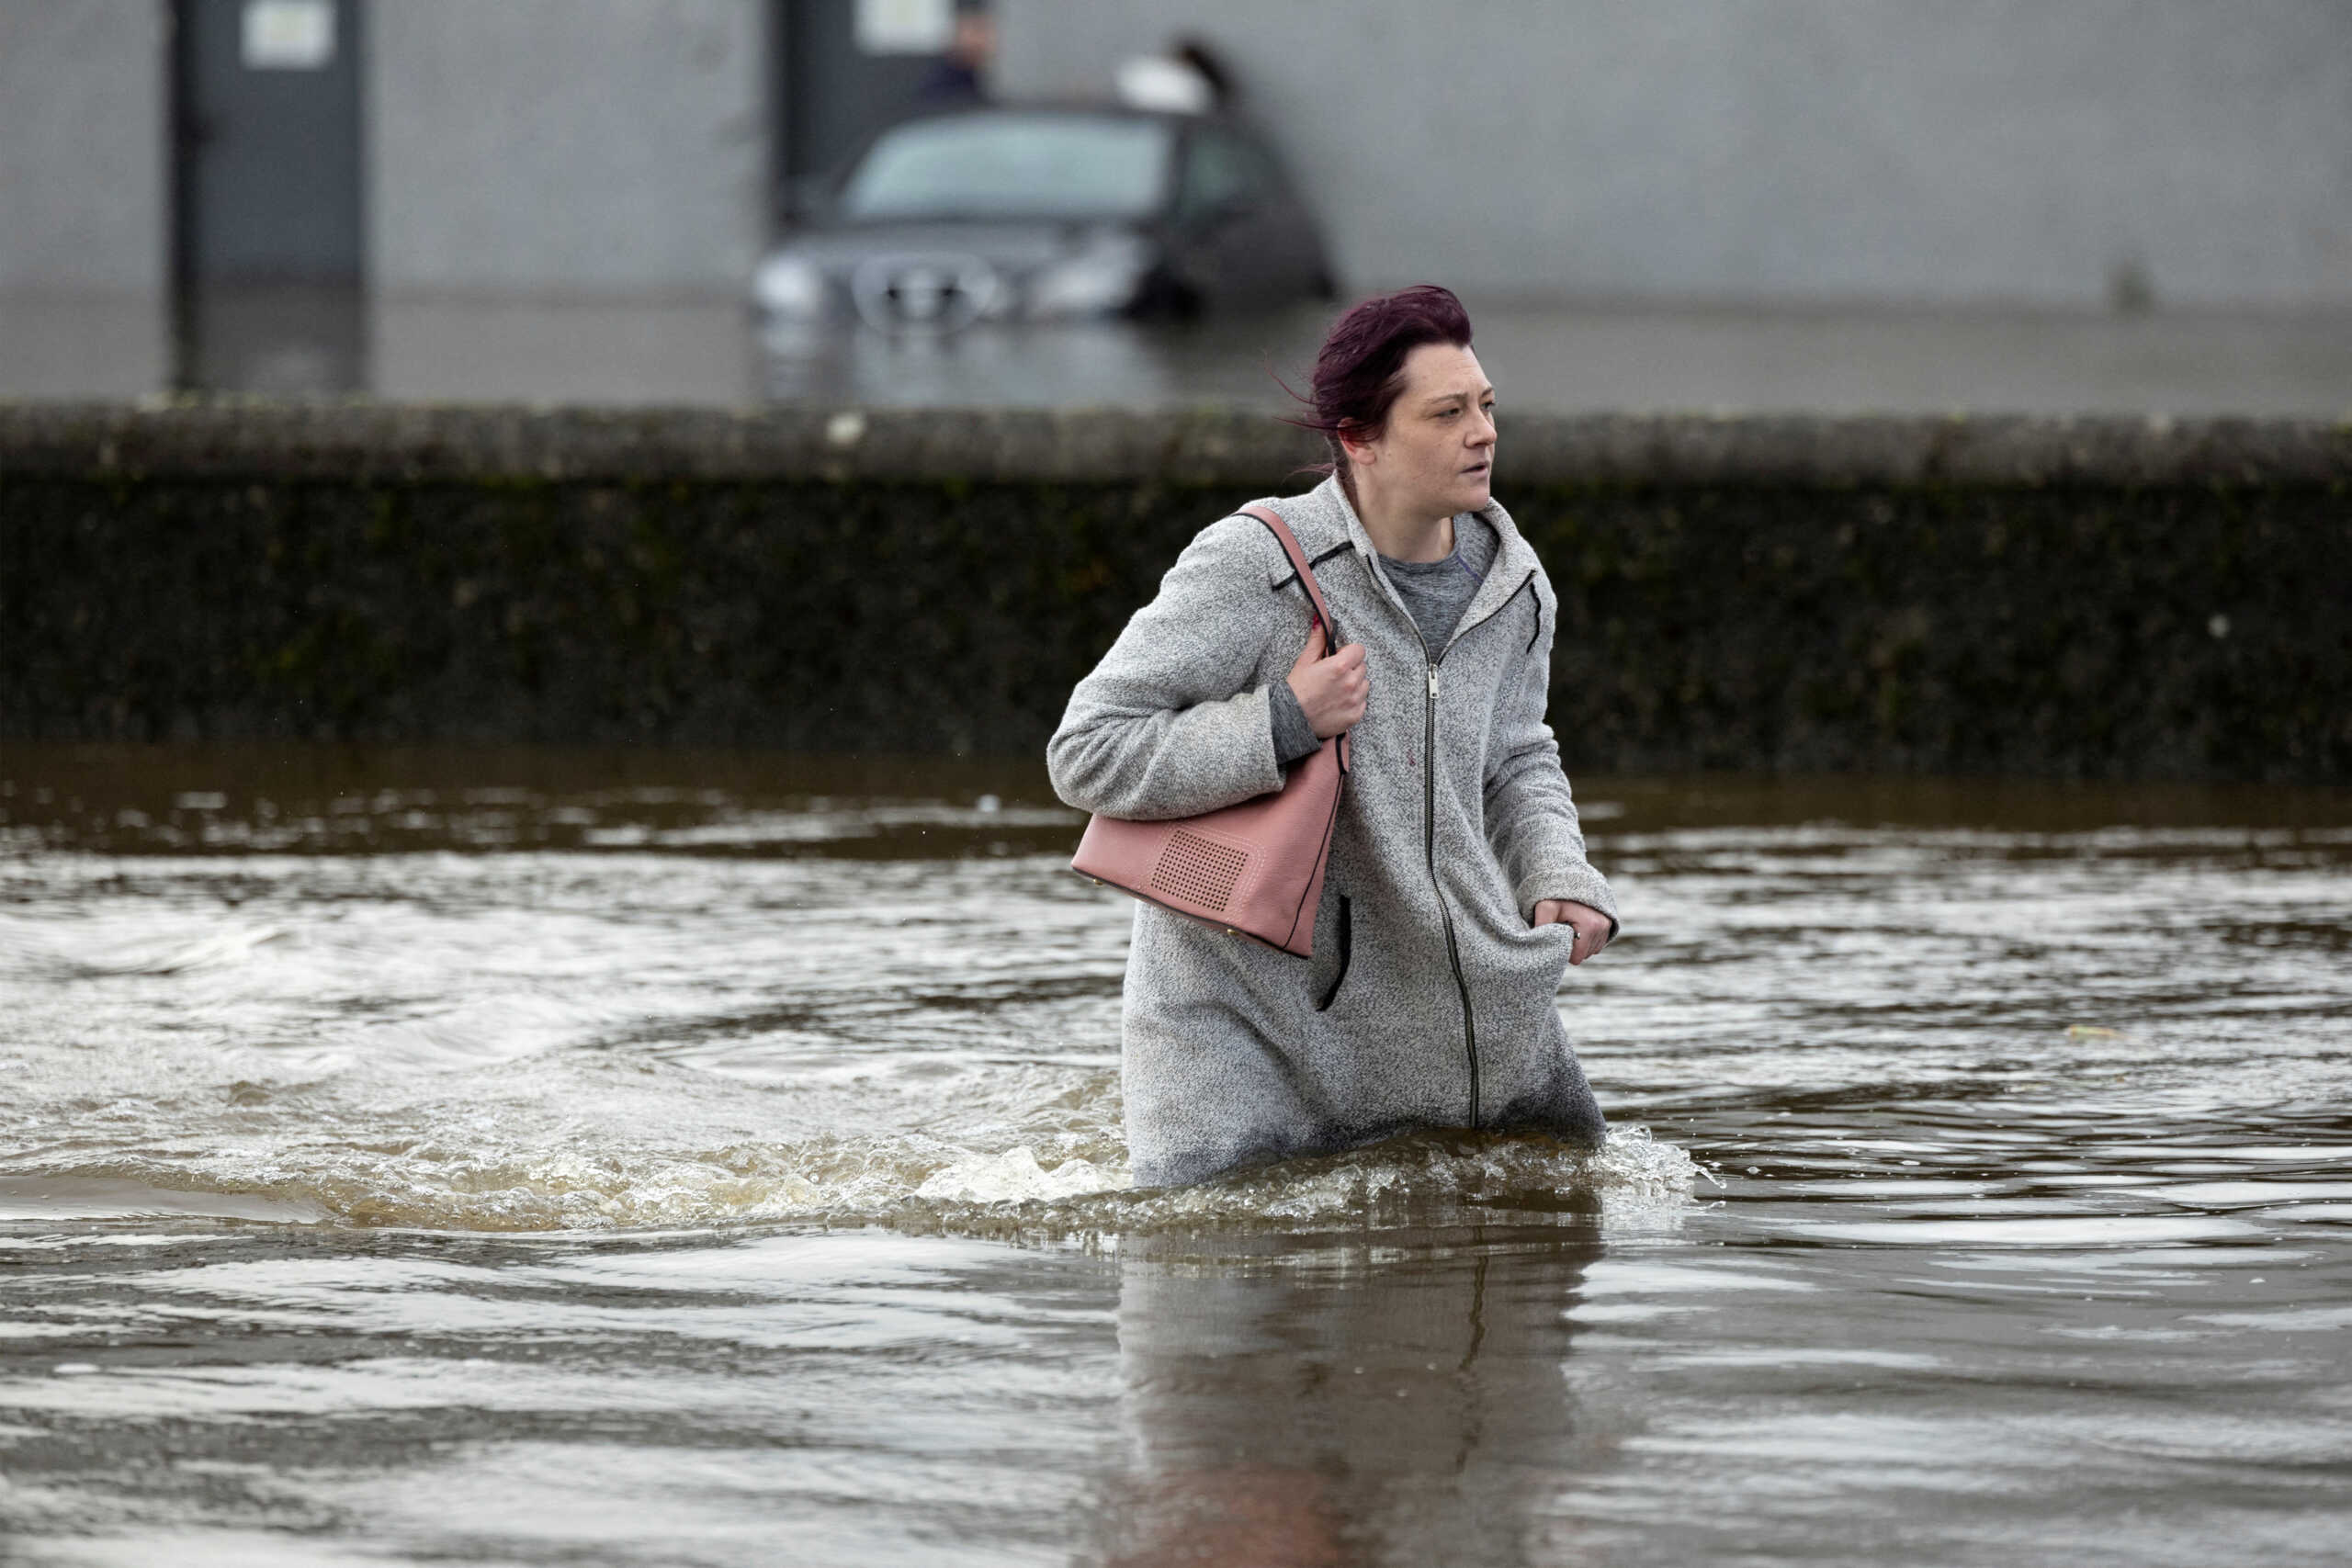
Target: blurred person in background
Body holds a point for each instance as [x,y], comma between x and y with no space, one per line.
[1457,890]
[959,77]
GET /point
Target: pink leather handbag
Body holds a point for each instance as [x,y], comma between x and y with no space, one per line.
[1255,869]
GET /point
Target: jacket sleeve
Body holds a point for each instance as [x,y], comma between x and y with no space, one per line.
[1530,815]
[1168,725]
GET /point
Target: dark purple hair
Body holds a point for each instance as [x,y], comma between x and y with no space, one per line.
[1360,371]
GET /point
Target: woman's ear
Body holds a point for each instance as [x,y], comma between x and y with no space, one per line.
[1360,452]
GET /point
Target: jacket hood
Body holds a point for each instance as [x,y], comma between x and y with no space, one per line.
[1327,514]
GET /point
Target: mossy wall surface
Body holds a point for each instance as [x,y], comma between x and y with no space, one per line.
[2189,626]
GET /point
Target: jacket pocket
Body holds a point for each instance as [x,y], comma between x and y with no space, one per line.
[1347,945]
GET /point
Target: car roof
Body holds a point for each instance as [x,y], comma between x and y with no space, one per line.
[1090,108]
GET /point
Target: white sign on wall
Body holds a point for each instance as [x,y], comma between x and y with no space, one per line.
[288,35]
[905,27]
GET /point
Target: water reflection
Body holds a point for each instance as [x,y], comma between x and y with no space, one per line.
[572,351]
[1389,1397]
[281,341]
[1230,359]
[113,348]
[1559,358]
[2027,1234]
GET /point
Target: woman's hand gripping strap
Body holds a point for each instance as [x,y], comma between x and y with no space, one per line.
[1318,611]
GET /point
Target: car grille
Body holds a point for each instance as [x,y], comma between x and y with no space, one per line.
[926,293]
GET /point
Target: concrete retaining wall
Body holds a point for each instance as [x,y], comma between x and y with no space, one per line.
[2089,598]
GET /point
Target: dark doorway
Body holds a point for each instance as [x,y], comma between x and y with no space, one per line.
[835,89]
[266,223]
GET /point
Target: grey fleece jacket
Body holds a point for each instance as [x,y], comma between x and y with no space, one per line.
[1430,1002]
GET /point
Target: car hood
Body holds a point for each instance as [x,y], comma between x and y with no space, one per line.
[1011,247]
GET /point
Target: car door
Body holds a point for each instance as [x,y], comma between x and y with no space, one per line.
[1244,238]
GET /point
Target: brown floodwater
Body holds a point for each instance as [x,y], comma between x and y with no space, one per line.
[530,1156]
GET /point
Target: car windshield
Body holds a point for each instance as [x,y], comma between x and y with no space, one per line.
[1006,165]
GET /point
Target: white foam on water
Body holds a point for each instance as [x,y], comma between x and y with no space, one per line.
[1015,1177]
[166,946]
[907,1180]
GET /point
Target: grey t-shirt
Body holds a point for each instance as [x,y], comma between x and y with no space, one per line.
[1435,592]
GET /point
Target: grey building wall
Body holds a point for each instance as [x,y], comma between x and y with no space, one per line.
[566,146]
[84,209]
[1994,150]
[84,159]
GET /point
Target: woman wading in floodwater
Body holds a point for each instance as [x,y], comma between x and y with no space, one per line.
[1457,889]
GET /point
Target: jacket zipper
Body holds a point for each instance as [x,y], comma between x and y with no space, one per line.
[1444,915]
[1428,840]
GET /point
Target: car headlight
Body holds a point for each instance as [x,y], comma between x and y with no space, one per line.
[1096,281]
[790,286]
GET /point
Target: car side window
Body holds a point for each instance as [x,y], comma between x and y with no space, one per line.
[1222,172]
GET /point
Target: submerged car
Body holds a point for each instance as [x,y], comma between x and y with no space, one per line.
[1044,214]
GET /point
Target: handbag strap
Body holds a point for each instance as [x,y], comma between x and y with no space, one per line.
[1289,542]
[1318,608]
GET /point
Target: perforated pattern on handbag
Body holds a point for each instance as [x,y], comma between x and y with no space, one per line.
[1198,871]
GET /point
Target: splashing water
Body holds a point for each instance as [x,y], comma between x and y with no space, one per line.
[697,1014]
[443,1166]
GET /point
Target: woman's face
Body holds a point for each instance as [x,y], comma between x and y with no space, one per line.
[1437,457]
